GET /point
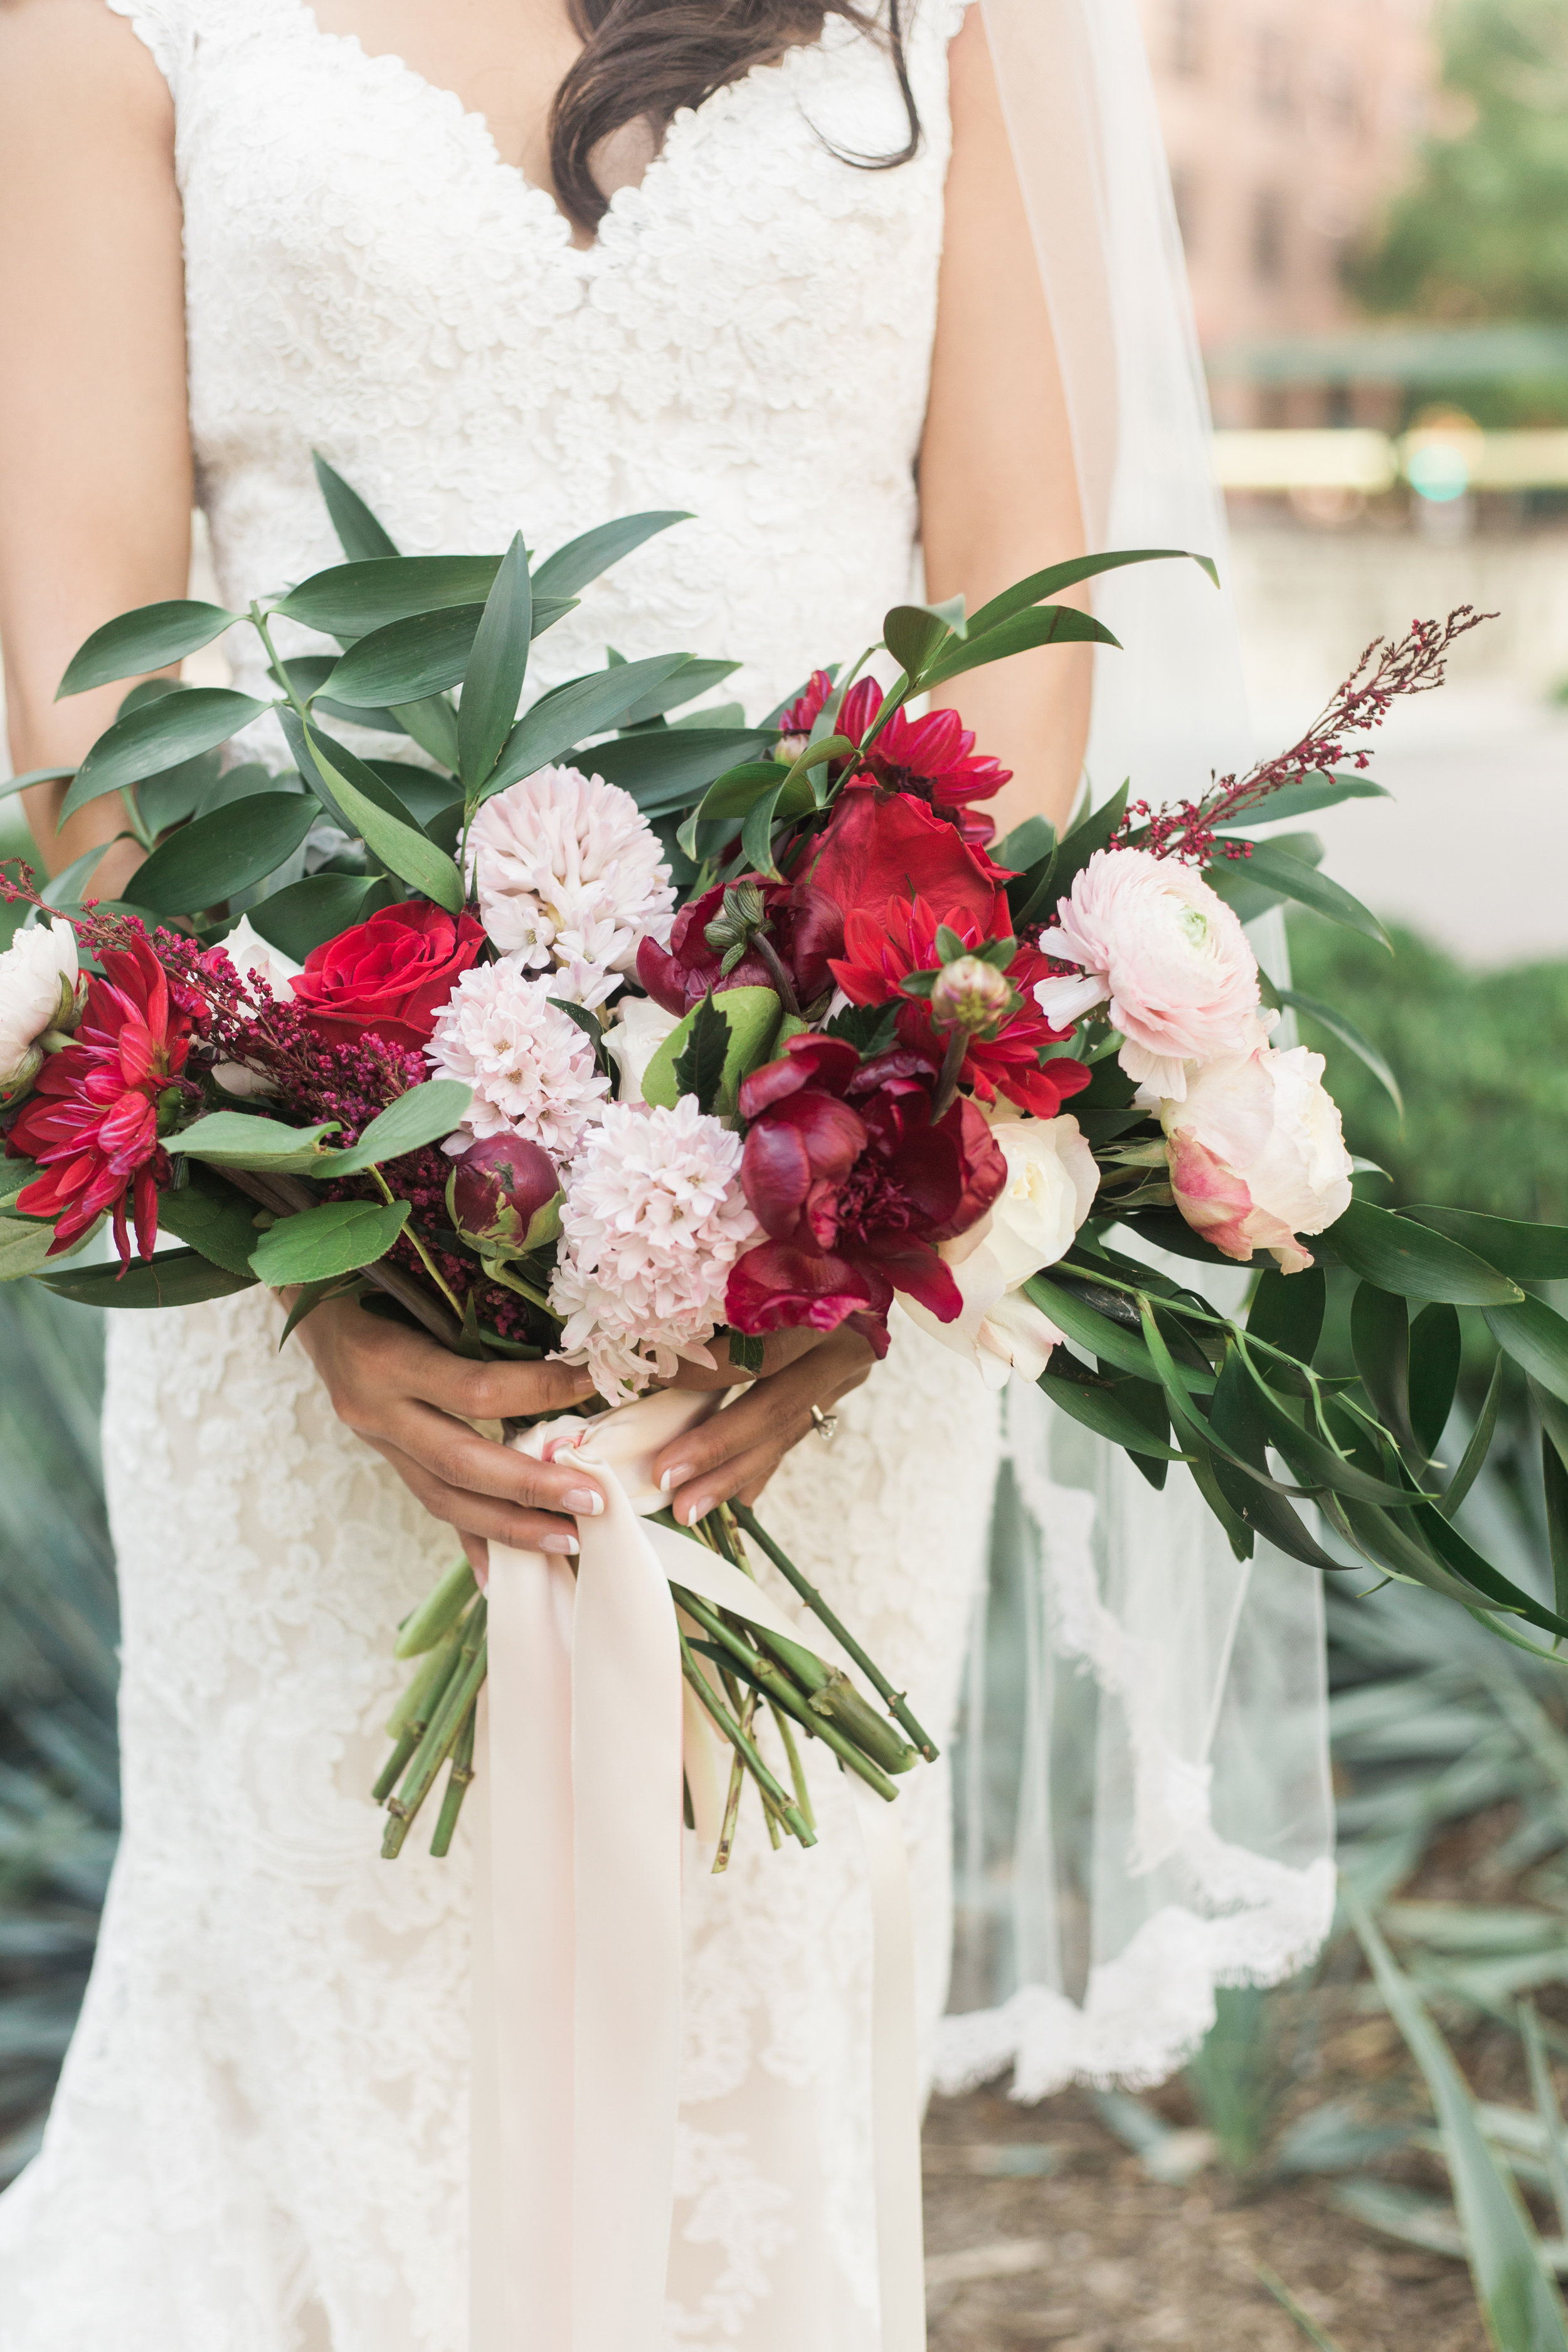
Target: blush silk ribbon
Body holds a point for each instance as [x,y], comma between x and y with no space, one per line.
[586,1727]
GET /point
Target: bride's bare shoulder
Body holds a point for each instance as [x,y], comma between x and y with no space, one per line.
[79,61]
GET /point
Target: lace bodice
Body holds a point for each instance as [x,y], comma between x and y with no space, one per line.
[748,339]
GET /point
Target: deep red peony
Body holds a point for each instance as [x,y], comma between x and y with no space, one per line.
[931,759]
[91,1122]
[805,929]
[853,1188]
[879,846]
[389,976]
[879,950]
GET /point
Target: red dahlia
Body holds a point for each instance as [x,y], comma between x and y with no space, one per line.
[91,1122]
[854,1187]
[880,950]
[931,759]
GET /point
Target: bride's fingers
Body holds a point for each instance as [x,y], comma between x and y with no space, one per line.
[478,1517]
[747,1441]
[454,1457]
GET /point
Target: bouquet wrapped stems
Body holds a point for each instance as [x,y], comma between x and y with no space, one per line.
[733,1668]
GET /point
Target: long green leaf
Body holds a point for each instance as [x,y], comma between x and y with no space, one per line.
[25,1245]
[1292,878]
[1287,1310]
[1292,800]
[1476,1452]
[670,768]
[148,638]
[1518,2298]
[1380,1342]
[408,661]
[1348,1035]
[1111,1342]
[354,600]
[1414,1261]
[492,684]
[1435,1351]
[425,1114]
[362,538]
[1234,1419]
[233,1139]
[210,859]
[1042,625]
[587,707]
[212,1218]
[31,776]
[181,1278]
[159,735]
[1315,1462]
[1528,1253]
[693,677]
[338,1237]
[402,850]
[1058,576]
[582,560]
[914,634]
[1095,1403]
[306,913]
[1536,1339]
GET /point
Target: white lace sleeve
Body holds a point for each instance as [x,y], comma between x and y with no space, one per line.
[168,27]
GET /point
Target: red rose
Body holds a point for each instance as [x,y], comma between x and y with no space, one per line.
[855,1187]
[390,976]
[880,845]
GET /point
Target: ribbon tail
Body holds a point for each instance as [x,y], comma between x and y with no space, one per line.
[895,2078]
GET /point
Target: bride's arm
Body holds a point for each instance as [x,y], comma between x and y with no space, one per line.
[998,488]
[95,462]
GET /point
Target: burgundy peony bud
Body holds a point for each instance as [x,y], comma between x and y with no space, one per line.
[504,1194]
[971,994]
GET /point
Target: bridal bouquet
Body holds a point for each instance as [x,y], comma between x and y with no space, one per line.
[629,1038]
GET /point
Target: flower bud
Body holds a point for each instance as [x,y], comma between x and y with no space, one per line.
[971,995]
[504,1194]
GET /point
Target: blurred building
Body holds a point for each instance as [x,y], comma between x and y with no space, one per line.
[1288,125]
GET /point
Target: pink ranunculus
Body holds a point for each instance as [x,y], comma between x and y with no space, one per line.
[1256,1154]
[1171,956]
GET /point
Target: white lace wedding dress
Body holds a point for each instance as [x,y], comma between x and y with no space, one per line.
[260,2143]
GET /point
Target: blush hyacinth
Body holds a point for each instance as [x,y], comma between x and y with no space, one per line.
[570,877]
[532,1068]
[653,1220]
[1169,954]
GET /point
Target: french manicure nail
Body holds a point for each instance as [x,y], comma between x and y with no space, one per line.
[667,1481]
[558,1543]
[587,1501]
[698,1510]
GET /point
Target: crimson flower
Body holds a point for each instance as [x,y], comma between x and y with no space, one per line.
[854,1187]
[388,976]
[931,759]
[879,846]
[880,950]
[805,929]
[91,1122]
[799,717]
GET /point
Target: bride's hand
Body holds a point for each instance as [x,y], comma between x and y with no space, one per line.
[412,1400]
[735,1453]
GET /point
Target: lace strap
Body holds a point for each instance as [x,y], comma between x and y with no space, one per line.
[166,27]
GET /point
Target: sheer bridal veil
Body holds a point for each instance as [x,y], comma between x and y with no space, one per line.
[1143,1808]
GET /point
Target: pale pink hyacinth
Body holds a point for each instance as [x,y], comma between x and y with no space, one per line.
[1256,1153]
[570,876]
[532,1068]
[1169,954]
[653,1220]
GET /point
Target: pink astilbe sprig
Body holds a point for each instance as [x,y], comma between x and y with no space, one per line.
[1387,671]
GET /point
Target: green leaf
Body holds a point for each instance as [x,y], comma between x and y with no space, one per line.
[870,1028]
[699,1065]
[914,634]
[1095,1403]
[1554,1478]
[31,776]
[671,767]
[1292,800]
[588,706]
[310,1295]
[420,795]
[338,1237]
[1380,1342]
[212,1218]
[307,913]
[212,858]
[1519,2303]
[1235,1419]
[1476,1452]
[433,724]
[1314,1461]
[583,560]
[1277,870]
[1528,1253]
[1046,624]
[1436,1348]
[1049,582]
[492,685]
[692,678]
[1079,845]
[159,735]
[1412,1261]
[1348,1035]
[148,638]
[185,790]
[355,600]
[403,850]
[1536,1339]
[181,1278]
[359,535]
[408,660]
[234,1139]
[1097,1334]
[425,1114]
[25,1243]
[1287,1310]
[15,1175]
[65,888]
[753,1018]
[1027,844]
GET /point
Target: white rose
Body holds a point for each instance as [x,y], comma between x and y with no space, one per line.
[1258,1155]
[38,974]
[1052,1179]
[254,958]
[633,1040]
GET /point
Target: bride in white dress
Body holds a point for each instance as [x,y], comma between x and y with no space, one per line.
[832,359]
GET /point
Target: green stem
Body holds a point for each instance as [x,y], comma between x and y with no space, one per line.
[952,1071]
[733,1799]
[278,670]
[409,1234]
[437,1744]
[775,1685]
[457,1783]
[894,1700]
[797,1768]
[391,1771]
[795,1821]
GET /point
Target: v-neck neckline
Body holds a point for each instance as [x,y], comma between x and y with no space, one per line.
[476,128]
